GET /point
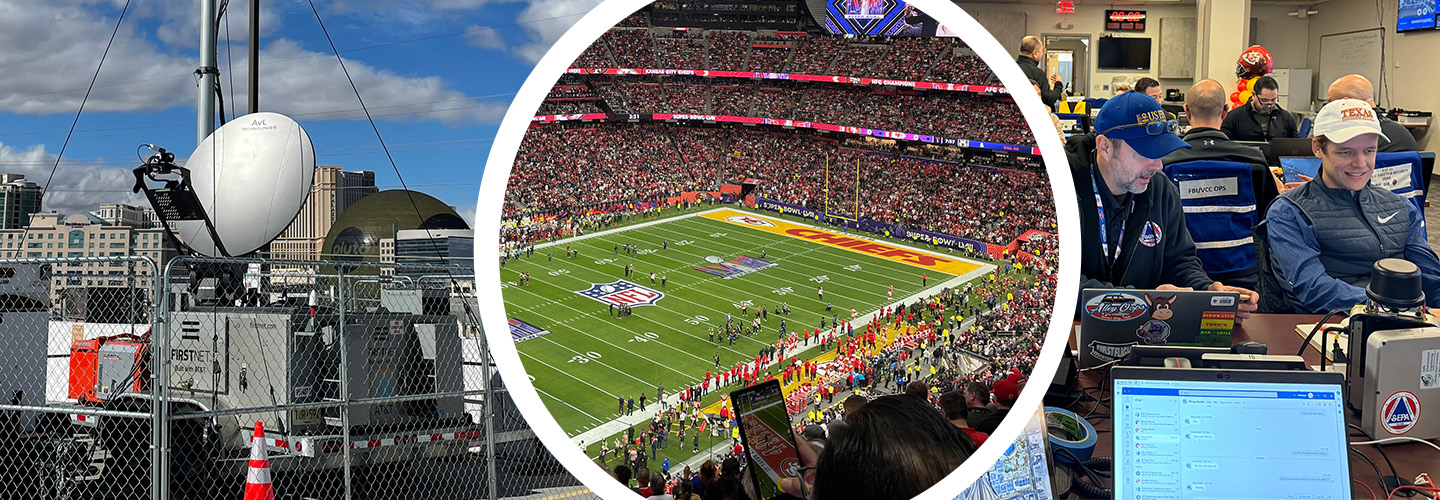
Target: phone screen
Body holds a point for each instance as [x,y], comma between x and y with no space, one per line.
[770,453]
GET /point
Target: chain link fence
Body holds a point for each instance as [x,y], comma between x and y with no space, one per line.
[120,379]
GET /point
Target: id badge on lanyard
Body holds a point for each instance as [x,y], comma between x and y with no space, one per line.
[1110,260]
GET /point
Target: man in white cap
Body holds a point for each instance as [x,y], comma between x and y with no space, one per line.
[1327,234]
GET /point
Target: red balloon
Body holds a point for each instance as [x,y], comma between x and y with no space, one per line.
[1235,98]
[1254,61]
[1242,85]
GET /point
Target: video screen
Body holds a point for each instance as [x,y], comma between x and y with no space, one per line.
[880,18]
[1416,15]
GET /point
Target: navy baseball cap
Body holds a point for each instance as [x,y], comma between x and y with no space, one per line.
[1138,120]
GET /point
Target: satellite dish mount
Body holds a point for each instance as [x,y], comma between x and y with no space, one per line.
[176,200]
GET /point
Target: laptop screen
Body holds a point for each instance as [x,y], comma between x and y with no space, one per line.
[1295,166]
[1023,472]
[1199,437]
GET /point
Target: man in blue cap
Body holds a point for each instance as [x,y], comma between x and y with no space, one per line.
[1132,226]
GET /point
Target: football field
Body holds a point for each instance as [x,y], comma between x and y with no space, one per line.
[583,355]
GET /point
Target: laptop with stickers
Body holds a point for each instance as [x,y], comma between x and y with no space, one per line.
[1114,320]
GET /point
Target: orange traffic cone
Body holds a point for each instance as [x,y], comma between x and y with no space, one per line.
[257,481]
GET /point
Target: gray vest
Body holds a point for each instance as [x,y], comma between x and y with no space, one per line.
[1354,231]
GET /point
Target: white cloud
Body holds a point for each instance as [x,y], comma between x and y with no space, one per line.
[468,214]
[78,186]
[49,54]
[545,21]
[484,37]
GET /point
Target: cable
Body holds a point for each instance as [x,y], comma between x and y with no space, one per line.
[1412,487]
[1367,488]
[1379,448]
[25,234]
[1398,439]
[1318,325]
[1379,477]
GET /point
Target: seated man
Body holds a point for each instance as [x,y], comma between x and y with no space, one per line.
[1261,119]
[1132,225]
[1326,235]
[1205,106]
[1397,137]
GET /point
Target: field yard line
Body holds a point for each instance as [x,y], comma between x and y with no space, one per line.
[608,365]
[653,320]
[573,407]
[552,367]
[625,228]
[805,254]
[582,332]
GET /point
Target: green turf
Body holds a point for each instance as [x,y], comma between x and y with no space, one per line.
[590,358]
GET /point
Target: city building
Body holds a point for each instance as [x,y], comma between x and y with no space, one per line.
[18,199]
[334,191]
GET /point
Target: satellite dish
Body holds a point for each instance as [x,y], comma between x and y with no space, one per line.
[251,176]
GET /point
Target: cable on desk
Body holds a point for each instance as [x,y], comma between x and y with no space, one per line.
[1316,329]
[1398,439]
[1379,477]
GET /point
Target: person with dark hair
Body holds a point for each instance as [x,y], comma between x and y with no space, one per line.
[642,481]
[1032,50]
[1150,87]
[1205,107]
[728,486]
[952,405]
[1006,390]
[853,404]
[657,489]
[894,447]
[1261,119]
[622,474]
[919,390]
[977,403]
[703,480]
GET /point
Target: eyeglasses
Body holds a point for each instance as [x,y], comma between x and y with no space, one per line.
[1267,101]
[1152,128]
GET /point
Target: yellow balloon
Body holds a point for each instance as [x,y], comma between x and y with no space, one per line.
[1245,96]
[1252,81]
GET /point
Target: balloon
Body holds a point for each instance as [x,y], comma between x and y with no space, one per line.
[1245,96]
[1242,86]
[1252,81]
[1235,98]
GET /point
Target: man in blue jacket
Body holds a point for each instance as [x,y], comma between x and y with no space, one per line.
[1144,243]
[1327,234]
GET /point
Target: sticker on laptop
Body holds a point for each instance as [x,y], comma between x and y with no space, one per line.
[1220,321]
[1160,306]
[1116,306]
[1400,412]
[1154,332]
[1108,352]
[1151,235]
[1222,301]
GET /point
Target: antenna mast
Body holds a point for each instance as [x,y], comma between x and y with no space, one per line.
[205,102]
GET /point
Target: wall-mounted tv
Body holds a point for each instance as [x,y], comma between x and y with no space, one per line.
[1414,15]
[1123,53]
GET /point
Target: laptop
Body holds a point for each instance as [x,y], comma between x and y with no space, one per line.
[1296,166]
[1288,146]
[1023,472]
[1113,320]
[1202,433]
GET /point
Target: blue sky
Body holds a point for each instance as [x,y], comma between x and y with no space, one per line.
[437,74]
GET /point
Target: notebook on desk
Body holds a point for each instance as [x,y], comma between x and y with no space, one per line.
[1202,433]
[1113,320]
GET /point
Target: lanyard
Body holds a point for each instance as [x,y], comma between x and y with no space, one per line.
[1104,233]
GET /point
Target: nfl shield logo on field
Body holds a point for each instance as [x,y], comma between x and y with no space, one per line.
[622,293]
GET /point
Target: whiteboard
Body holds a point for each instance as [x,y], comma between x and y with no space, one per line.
[1359,52]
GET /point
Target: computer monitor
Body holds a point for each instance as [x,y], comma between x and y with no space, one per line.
[1296,166]
[1205,433]
[1023,472]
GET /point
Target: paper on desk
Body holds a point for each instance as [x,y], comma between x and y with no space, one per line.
[1304,330]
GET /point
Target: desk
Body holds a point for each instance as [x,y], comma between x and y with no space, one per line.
[1278,332]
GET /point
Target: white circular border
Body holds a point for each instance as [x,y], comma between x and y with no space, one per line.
[517,121]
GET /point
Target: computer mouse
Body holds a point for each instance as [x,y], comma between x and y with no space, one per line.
[1249,347]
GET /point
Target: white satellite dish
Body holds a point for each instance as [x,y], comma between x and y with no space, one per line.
[252,176]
